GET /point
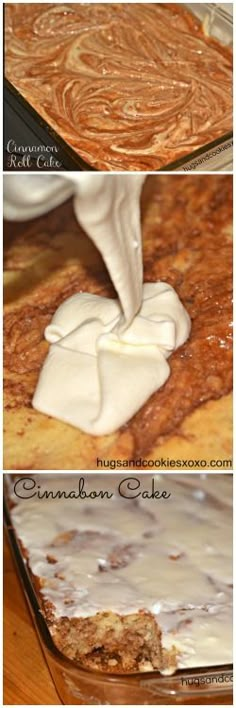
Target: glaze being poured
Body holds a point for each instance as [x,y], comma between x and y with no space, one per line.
[106,356]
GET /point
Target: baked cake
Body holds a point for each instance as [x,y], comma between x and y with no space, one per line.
[136,576]
[127,86]
[187,242]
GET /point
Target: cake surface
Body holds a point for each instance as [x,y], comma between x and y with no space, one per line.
[127,86]
[132,574]
[187,242]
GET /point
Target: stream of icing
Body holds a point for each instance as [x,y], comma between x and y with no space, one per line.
[106,356]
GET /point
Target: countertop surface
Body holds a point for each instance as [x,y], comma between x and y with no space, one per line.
[27,680]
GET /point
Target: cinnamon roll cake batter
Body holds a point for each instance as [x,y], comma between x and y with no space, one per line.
[127,86]
[138,577]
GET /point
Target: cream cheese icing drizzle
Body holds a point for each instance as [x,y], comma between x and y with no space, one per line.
[179,564]
[106,356]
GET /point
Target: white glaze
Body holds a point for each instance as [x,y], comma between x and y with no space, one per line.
[114,372]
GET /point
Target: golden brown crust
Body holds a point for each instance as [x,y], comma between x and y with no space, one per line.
[187,242]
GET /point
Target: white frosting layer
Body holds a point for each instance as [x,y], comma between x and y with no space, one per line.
[106,376]
[106,357]
[174,555]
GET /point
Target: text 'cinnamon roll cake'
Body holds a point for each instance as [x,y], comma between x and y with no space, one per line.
[187,242]
[127,86]
[132,574]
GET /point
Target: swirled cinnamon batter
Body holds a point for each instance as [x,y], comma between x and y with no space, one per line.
[127,86]
[187,242]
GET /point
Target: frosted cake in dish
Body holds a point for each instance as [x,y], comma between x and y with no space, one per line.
[133,573]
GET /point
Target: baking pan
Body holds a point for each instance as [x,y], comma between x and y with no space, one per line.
[23,126]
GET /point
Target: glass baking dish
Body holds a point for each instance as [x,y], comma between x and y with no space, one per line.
[78,686]
[32,129]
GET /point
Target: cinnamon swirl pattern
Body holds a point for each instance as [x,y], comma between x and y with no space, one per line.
[127,86]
